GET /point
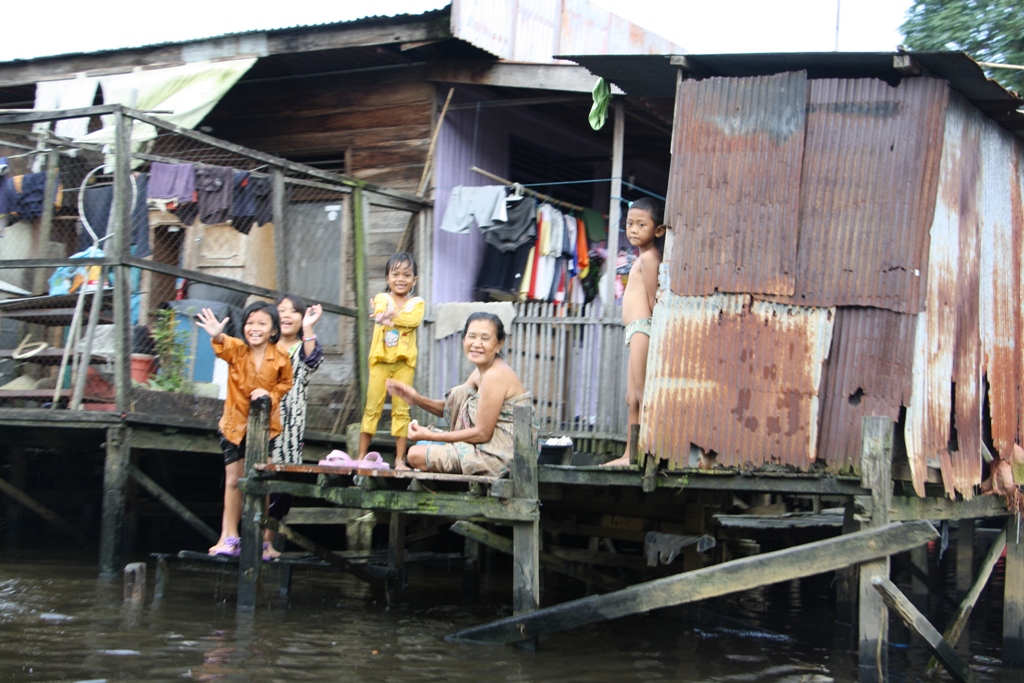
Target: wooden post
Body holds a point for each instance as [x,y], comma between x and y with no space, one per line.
[721,579]
[250,558]
[964,557]
[614,207]
[873,618]
[360,209]
[917,623]
[277,201]
[396,557]
[115,484]
[163,572]
[39,284]
[471,570]
[959,620]
[847,582]
[119,244]
[1013,597]
[135,582]
[525,535]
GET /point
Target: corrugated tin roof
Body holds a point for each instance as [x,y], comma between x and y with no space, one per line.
[737,376]
[734,188]
[867,373]
[655,76]
[870,168]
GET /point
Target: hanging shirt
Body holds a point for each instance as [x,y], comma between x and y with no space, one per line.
[520,229]
[215,187]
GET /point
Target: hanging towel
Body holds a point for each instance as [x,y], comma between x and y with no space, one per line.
[597,231]
[172,181]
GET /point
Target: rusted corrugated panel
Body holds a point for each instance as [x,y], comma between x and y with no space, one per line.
[961,469]
[736,376]
[869,174]
[867,373]
[1000,283]
[734,187]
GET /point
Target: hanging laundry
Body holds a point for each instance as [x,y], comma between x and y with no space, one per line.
[261,188]
[215,188]
[172,181]
[597,230]
[243,204]
[485,205]
[520,229]
[21,197]
[96,204]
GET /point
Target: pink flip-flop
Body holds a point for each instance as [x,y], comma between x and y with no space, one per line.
[337,459]
[372,461]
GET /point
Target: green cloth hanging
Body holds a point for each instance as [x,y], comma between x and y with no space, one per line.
[599,112]
[597,230]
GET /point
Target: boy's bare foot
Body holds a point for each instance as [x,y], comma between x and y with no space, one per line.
[402,466]
[621,461]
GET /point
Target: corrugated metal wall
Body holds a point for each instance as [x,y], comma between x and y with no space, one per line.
[736,376]
[910,222]
[735,187]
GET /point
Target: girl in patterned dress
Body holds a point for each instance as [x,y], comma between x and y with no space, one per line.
[299,342]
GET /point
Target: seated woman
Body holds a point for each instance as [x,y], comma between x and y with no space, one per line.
[479,411]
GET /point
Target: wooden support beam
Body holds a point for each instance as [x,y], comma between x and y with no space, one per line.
[565,566]
[360,215]
[365,572]
[396,557]
[46,513]
[1013,597]
[917,622]
[959,620]
[559,77]
[729,577]
[708,480]
[965,555]
[457,505]
[525,534]
[39,284]
[904,508]
[178,442]
[873,621]
[161,494]
[250,558]
[115,486]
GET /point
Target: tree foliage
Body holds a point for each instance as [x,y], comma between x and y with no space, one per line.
[987,30]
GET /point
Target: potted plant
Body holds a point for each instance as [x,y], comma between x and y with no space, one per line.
[171,345]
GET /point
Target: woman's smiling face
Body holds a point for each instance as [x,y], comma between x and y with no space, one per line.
[481,342]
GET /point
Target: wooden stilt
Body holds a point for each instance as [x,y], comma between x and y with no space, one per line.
[525,535]
[135,582]
[115,482]
[163,573]
[17,478]
[250,558]
[847,580]
[721,579]
[1013,597]
[964,557]
[471,570]
[170,501]
[396,557]
[959,620]
[917,623]
[873,618]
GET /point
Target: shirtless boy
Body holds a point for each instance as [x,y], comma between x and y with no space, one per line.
[645,230]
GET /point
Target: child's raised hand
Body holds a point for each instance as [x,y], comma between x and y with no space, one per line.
[209,323]
[256,393]
[310,317]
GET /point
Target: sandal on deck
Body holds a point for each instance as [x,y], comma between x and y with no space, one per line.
[231,548]
[372,461]
[336,459]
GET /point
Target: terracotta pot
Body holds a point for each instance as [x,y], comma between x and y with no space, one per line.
[143,367]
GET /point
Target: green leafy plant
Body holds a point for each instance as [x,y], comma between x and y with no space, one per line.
[171,346]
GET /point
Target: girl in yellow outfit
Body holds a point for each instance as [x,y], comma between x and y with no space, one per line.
[393,352]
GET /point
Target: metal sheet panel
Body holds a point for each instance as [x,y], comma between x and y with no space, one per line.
[534,30]
[867,373]
[1000,284]
[870,170]
[734,187]
[737,376]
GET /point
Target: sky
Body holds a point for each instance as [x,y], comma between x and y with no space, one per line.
[719,26]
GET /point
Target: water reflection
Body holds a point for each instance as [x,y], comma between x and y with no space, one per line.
[58,622]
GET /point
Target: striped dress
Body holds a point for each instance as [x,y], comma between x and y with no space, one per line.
[288,446]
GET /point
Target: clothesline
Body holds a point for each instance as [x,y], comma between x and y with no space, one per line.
[533,193]
[598,180]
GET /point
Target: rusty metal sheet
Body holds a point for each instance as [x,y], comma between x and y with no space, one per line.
[870,170]
[734,186]
[1001,282]
[867,373]
[736,376]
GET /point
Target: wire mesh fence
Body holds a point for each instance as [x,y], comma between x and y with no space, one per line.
[113,242]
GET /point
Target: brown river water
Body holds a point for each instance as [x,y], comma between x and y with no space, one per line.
[59,622]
